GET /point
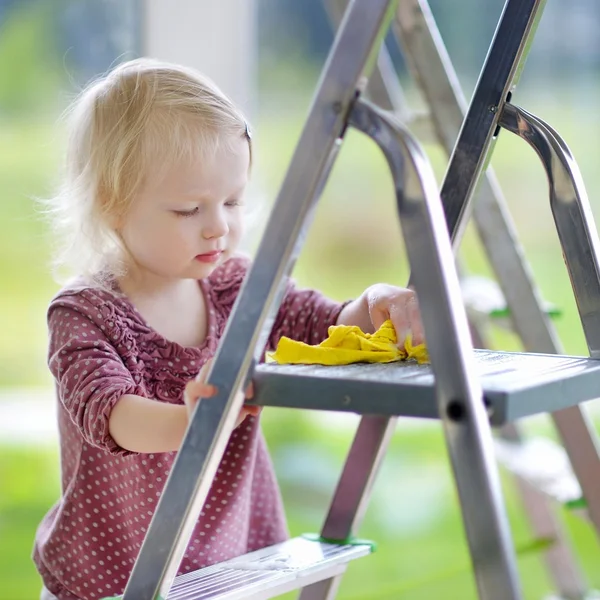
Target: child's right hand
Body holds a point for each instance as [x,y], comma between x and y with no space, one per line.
[198,388]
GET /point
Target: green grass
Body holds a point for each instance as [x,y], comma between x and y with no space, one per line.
[29,484]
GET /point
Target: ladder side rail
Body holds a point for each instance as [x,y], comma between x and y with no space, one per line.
[562,567]
[353,491]
[426,56]
[460,402]
[351,57]
[500,73]
[430,64]
[572,215]
[496,229]
[383,88]
[581,251]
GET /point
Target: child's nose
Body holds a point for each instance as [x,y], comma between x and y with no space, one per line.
[215,226]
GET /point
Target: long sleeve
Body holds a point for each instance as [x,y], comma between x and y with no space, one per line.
[89,373]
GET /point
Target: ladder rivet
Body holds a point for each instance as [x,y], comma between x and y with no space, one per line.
[455,410]
[493,109]
[346,401]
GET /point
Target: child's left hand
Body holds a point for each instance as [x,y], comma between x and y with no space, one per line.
[400,305]
[198,388]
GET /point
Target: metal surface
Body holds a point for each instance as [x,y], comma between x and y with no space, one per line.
[562,567]
[430,65]
[515,385]
[383,87]
[561,564]
[353,491]
[500,73]
[572,215]
[459,395]
[579,240]
[322,590]
[353,53]
[542,463]
[268,572]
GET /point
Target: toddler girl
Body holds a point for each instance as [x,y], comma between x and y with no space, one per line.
[152,213]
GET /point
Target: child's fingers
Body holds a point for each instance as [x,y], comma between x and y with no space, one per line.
[254,411]
[204,370]
[416,323]
[198,389]
[250,390]
[378,316]
[401,322]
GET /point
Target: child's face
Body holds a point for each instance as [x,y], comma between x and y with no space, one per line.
[187,222]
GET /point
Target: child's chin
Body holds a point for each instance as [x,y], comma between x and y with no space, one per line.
[201,270]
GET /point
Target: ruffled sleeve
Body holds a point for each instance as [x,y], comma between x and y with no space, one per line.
[90,373]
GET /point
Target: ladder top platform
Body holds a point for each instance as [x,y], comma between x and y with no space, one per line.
[515,384]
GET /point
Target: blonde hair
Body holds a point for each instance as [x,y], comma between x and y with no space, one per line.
[142,114]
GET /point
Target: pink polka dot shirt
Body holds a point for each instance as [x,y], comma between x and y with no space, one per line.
[100,349]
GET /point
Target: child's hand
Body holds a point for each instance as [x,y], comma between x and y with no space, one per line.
[198,388]
[400,305]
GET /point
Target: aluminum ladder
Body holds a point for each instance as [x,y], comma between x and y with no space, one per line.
[539,484]
[473,389]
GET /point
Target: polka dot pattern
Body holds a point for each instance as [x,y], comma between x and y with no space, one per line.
[101,348]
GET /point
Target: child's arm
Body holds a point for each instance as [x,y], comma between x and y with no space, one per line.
[147,426]
[141,425]
[305,315]
[100,389]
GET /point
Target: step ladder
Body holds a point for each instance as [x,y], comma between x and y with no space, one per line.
[542,468]
[473,389]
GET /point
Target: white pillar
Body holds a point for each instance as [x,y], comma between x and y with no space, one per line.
[217,37]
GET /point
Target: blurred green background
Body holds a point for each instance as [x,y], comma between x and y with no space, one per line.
[354,242]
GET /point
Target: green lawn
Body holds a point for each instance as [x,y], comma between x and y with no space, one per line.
[354,242]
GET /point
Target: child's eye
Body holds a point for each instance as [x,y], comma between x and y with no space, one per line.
[233,203]
[187,213]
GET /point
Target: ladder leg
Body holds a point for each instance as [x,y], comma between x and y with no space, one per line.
[560,562]
[496,229]
[428,61]
[322,590]
[354,50]
[581,251]
[562,568]
[466,425]
[353,492]
[500,73]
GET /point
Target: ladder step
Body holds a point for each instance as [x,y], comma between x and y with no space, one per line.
[268,572]
[515,384]
[485,302]
[544,465]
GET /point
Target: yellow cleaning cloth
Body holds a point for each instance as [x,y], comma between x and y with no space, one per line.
[348,344]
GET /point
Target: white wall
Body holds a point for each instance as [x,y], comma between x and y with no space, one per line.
[218,37]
